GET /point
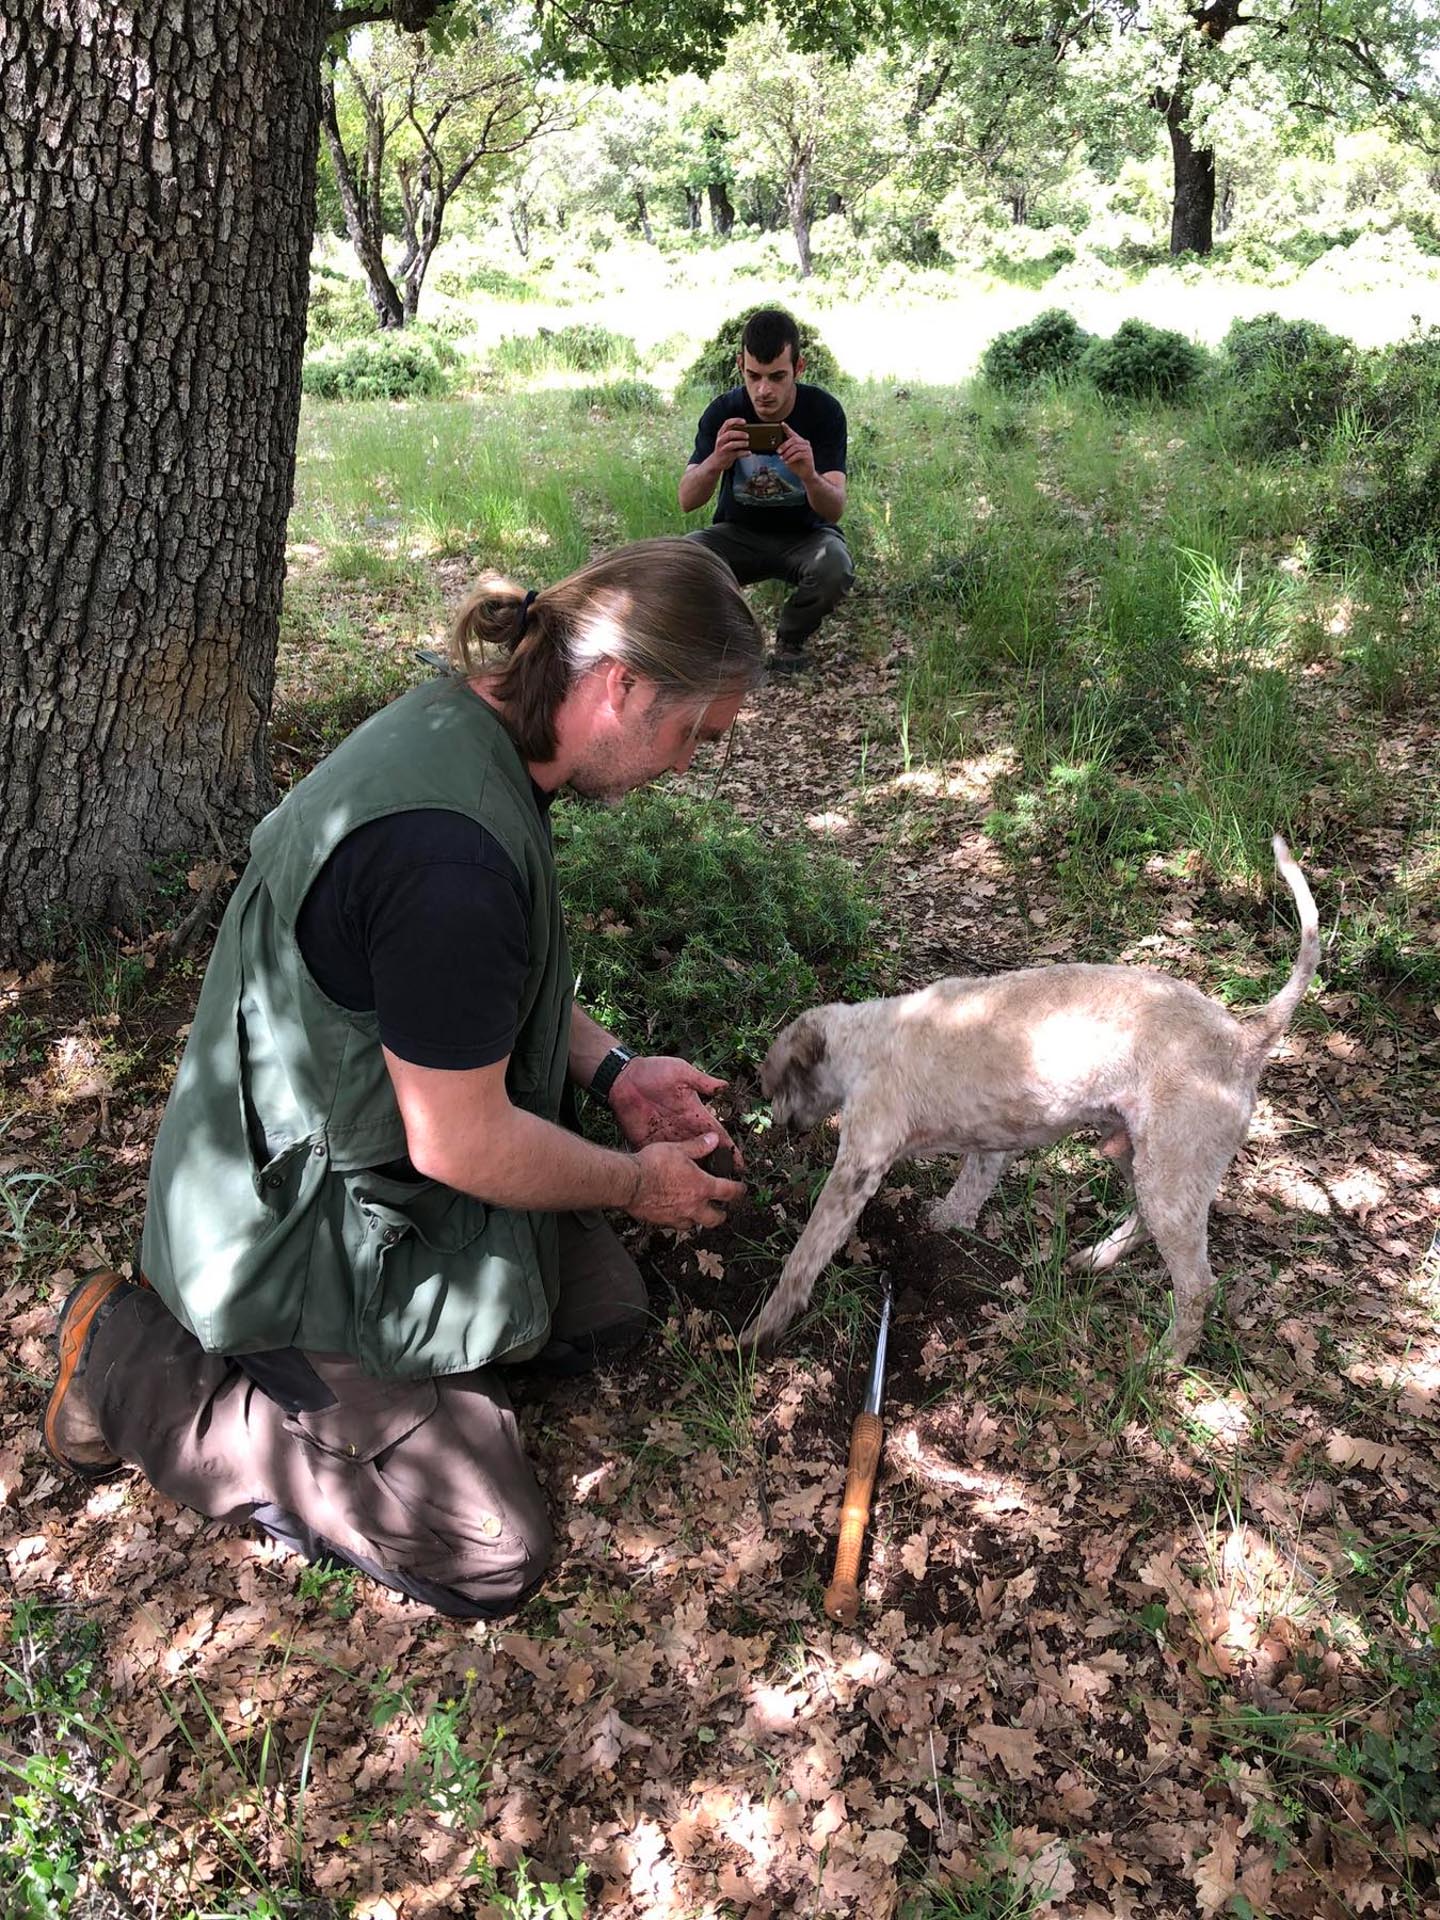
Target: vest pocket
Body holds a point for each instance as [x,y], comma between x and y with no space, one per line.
[443,1283]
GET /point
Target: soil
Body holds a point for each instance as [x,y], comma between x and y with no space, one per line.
[1119,1637]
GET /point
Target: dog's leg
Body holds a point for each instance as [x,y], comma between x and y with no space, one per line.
[1132,1232]
[853,1179]
[978,1178]
[1179,1164]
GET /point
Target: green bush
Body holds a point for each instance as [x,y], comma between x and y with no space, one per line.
[1046,348]
[1292,380]
[693,934]
[339,308]
[619,396]
[581,347]
[1252,347]
[1032,271]
[406,365]
[1403,385]
[1141,362]
[715,368]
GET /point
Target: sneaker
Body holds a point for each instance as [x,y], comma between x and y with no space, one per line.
[72,1433]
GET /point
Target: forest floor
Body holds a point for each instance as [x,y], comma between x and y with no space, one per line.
[1132,1641]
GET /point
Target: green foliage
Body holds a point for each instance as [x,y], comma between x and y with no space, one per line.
[533,1900]
[339,308]
[1141,362]
[580,347]
[1292,382]
[619,396]
[715,367]
[1029,271]
[1046,348]
[404,365]
[693,934]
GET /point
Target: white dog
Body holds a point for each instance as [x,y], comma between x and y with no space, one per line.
[989,1068]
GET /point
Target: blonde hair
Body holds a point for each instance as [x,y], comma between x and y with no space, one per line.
[668,609]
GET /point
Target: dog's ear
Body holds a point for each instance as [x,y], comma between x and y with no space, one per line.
[800,1047]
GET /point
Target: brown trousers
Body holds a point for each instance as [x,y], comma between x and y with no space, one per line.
[422,1484]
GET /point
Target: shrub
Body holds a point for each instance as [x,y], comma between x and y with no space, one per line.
[1141,362]
[391,366]
[1029,270]
[1048,347]
[339,307]
[1293,379]
[693,934]
[619,396]
[1403,386]
[1252,347]
[714,367]
[581,347]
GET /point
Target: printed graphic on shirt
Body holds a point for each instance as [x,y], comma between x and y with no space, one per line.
[764,480]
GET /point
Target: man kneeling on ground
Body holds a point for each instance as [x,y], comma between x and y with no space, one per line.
[365,1200]
[777,450]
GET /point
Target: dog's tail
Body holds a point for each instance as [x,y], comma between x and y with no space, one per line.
[1265,1027]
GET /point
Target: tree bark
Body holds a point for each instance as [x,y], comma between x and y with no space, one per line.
[157,189]
[361,202]
[722,212]
[797,202]
[1192,212]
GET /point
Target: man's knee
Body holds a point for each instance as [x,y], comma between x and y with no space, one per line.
[829,571]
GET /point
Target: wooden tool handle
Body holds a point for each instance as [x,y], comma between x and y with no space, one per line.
[842,1596]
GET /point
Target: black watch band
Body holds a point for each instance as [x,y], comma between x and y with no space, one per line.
[609,1071]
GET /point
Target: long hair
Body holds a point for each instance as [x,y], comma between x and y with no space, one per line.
[668,609]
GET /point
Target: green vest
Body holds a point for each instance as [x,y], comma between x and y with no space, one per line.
[266,1225]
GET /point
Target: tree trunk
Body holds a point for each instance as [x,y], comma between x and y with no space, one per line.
[361,203]
[642,214]
[722,212]
[693,204]
[157,191]
[1192,212]
[520,227]
[797,200]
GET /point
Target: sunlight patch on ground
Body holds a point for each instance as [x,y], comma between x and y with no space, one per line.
[969,780]
[829,823]
[1225,1419]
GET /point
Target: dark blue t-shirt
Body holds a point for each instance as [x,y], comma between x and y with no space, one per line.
[759,491]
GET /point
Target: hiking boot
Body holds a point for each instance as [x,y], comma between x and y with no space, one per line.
[72,1432]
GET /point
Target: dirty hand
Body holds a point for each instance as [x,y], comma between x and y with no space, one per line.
[658,1097]
[673,1192]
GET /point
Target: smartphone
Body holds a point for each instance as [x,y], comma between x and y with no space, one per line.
[764,435]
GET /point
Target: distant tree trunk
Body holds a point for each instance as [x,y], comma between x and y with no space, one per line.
[1225,207]
[693,204]
[797,203]
[1018,201]
[1192,213]
[360,197]
[520,227]
[157,188]
[834,202]
[722,213]
[642,214]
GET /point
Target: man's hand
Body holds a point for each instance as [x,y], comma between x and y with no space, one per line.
[673,1192]
[798,455]
[658,1097]
[731,441]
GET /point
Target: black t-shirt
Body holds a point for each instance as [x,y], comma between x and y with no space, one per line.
[759,491]
[422,918]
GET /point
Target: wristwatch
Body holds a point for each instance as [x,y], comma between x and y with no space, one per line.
[609,1071]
